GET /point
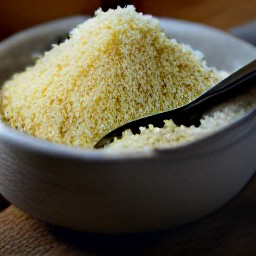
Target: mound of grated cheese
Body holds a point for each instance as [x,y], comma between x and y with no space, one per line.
[115,67]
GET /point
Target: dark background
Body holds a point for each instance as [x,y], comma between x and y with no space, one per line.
[16,15]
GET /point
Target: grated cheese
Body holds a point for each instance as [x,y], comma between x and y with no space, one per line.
[115,67]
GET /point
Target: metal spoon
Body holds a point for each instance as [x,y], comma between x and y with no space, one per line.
[191,113]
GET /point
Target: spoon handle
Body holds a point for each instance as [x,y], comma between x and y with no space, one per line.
[234,84]
[191,113]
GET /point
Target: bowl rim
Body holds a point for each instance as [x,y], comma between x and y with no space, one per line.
[28,142]
[219,139]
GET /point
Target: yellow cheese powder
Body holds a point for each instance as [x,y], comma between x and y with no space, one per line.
[115,67]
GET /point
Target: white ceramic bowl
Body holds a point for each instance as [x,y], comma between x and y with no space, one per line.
[92,191]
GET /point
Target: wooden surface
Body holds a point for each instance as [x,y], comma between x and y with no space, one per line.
[218,13]
[229,231]
[17,15]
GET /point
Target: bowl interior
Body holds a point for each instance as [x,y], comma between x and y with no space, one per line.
[220,50]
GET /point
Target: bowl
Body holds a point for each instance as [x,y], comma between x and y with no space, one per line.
[98,192]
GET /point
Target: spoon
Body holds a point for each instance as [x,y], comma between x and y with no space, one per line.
[191,113]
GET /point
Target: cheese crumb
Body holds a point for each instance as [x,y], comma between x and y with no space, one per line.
[114,68]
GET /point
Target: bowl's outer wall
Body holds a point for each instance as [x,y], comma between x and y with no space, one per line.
[129,195]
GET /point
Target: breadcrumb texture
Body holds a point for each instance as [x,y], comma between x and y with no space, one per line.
[115,67]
